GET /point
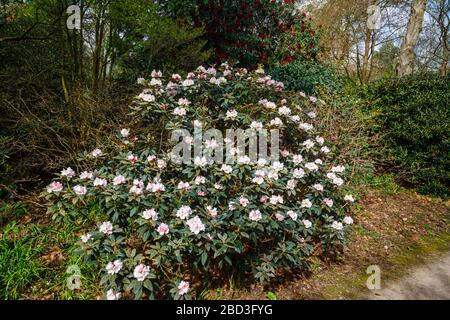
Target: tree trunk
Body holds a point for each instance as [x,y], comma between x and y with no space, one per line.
[406,58]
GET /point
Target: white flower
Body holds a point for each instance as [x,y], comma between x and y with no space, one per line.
[55,186]
[151,158]
[298,173]
[184,212]
[211,143]
[295,118]
[348,220]
[106,228]
[260,173]
[136,190]
[140,81]
[179,111]
[199,180]
[256,125]
[306,203]
[338,169]
[227,169]
[161,164]
[285,111]
[183,102]
[312,115]
[338,181]
[270,105]
[156,186]
[276,122]
[232,114]
[243,201]
[86,175]
[96,153]
[279,216]
[198,124]
[141,272]
[155,82]
[320,140]
[349,198]
[111,295]
[325,150]
[114,267]
[259,71]
[176,77]
[262,162]
[68,173]
[311,166]
[189,140]
[292,214]
[211,211]
[337,225]
[276,199]
[243,160]
[200,162]
[195,225]
[138,183]
[285,153]
[308,144]
[318,161]
[272,175]
[313,99]
[277,166]
[183,288]
[258,180]
[305,126]
[307,224]
[234,151]
[218,186]
[132,158]
[187,83]
[201,69]
[318,187]
[297,158]
[218,81]
[211,71]
[119,180]
[80,190]
[331,175]
[163,229]
[291,184]
[99,182]
[150,214]
[255,215]
[147,97]
[183,186]
[329,202]
[156,74]
[86,237]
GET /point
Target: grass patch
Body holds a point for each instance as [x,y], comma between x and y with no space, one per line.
[18,263]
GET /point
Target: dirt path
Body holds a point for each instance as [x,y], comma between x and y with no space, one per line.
[429,281]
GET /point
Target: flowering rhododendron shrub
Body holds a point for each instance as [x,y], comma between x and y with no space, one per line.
[166,224]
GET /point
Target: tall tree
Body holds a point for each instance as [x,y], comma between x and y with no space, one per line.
[413,29]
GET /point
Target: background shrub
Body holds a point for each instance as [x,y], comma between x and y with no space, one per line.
[413,115]
[305,76]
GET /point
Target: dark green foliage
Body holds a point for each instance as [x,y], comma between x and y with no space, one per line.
[413,113]
[305,76]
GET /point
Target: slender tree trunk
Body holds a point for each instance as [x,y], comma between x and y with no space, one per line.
[406,58]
